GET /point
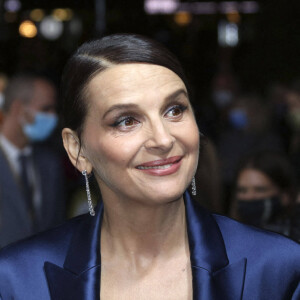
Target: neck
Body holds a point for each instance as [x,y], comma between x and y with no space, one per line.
[146,233]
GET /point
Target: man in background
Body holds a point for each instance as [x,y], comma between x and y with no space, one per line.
[31,185]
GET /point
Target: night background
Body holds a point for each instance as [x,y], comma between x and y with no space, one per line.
[245,47]
[268,47]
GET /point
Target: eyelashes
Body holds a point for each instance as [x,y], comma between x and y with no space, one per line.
[125,121]
[176,110]
[128,120]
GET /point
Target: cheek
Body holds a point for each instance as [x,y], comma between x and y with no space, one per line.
[194,137]
[189,135]
[113,152]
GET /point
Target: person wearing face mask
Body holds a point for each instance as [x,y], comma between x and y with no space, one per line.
[250,130]
[265,194]
[31,186]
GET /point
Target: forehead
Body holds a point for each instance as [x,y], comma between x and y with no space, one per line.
[252,177]
[133,81]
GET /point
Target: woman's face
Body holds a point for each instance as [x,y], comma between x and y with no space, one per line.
[254,185]
[140,135]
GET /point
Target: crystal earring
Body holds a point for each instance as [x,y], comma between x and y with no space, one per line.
[194,190]
[88,193]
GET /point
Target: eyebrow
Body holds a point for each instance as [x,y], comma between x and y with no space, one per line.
[126,106]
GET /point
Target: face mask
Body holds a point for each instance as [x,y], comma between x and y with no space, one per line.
[238,118]
[41,128]
[258,211]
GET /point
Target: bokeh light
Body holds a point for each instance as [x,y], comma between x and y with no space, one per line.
[51,28]
[12,5]
[234,17]
[183,18]
[37,15]
[228,34]
[62,14]
[28,29]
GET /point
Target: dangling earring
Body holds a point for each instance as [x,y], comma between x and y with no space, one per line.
[88,193]
[194,190]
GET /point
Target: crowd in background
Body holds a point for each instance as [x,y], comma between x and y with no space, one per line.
[249,161]
[257,152]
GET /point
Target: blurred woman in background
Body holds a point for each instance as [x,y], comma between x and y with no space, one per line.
[265,193]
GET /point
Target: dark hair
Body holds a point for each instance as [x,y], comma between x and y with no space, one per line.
[95,56]
[275,166]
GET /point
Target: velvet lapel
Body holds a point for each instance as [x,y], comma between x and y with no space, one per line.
[213,276]
[80,276]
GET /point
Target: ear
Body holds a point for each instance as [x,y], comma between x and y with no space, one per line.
[72,146]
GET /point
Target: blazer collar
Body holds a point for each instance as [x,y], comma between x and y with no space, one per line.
[205,240]
[213,276]
[80,276]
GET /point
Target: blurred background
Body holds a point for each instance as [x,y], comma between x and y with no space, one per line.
[257,40]
[241,57]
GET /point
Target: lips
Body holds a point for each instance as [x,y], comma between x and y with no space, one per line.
[162,166]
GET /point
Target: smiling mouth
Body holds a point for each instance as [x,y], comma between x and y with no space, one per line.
[161,164]
[155,167]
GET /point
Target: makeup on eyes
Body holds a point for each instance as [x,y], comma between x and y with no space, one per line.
[126,118]
[181,107]
[135,117]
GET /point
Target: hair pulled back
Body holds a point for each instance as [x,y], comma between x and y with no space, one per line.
[96,56]
[275,166]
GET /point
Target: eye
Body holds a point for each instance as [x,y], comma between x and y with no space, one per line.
[126,122]
[175,111]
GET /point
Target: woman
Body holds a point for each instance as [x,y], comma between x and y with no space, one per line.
[129,121]
[265,193]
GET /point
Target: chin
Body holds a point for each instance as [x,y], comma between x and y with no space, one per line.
[165,196]
[167,189]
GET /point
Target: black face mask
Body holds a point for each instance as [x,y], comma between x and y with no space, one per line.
[259,211]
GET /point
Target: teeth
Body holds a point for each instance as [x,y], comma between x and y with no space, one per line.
[155,167]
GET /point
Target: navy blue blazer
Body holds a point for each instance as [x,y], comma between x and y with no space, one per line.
[15,222]
[230,261]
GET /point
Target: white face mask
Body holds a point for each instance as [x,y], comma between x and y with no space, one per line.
[41,128]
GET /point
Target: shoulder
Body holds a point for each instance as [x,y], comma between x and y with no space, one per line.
[272,269]
[256,243]
[49,245]
[22,263]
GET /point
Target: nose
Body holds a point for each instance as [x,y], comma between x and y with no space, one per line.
[159,137]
